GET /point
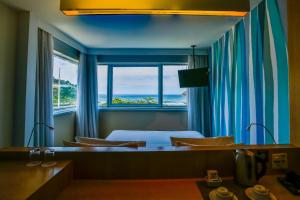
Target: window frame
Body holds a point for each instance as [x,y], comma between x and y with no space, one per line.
[72,109]
[138,107]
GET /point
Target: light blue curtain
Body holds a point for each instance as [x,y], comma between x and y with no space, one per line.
[229,83]
[250,78]
[199,107]
[87,107]
[43,98]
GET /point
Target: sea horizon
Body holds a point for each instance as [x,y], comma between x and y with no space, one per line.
[172,99]
[141,94]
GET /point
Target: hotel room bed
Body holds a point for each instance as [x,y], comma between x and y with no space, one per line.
[152,138]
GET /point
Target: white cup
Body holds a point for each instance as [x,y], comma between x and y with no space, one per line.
[223,193]
[260,192]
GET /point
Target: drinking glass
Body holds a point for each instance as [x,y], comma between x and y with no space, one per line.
[34,157]
[49,155]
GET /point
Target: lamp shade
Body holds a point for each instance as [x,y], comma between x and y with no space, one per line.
[193,78]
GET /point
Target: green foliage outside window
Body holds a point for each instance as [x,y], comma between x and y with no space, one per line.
[68,92]
[143,101]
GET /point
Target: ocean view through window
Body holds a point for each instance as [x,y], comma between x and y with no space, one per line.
[140,86]
[135,86]
[64,83]
[173,95]
[102,72]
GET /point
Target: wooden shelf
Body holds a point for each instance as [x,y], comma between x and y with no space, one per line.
[20,182]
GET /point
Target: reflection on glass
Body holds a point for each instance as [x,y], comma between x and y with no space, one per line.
[173,95]
[64,83]
[135,86]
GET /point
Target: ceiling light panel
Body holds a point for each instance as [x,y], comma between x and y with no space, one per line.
[156,7]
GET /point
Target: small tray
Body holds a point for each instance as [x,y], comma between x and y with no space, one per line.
[229,184]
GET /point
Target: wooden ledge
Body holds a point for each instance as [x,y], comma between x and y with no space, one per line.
[158,149]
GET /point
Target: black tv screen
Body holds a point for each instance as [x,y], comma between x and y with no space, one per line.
[193,78]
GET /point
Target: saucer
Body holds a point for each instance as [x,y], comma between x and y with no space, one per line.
[49,164]
[217,194]
[33,163]
[259,192]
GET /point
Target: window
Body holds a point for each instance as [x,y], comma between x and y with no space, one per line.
[140,86]
[135,86]
[64,83]
[173,95]
[102,85]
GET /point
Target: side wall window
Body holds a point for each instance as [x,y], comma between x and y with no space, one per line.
[64,83]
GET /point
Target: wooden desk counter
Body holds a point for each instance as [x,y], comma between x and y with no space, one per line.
[20,182]
[276,188]
[132,190]
[184,189]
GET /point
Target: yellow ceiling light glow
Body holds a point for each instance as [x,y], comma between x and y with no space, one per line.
[156,7]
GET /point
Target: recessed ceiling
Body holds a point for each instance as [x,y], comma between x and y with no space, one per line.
[131,31]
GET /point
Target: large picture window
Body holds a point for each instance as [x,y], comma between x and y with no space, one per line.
[135,86]
[64,83]
[140,86]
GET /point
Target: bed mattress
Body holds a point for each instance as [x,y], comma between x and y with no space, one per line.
[152,138]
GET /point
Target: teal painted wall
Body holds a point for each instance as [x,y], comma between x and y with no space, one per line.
[141,120]
[64,128]
[8,40]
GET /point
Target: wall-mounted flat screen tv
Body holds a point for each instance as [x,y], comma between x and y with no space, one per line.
[191,78]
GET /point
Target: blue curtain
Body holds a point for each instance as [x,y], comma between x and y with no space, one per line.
[249,78]
[199,107]
[44,136]
[87,108]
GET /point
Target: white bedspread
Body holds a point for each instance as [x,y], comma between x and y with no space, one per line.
[152,138]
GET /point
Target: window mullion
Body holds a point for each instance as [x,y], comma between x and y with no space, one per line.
[109,85]
[160,86]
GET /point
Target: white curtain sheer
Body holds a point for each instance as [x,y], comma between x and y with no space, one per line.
[43,98]
[199,106]
[87,106]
